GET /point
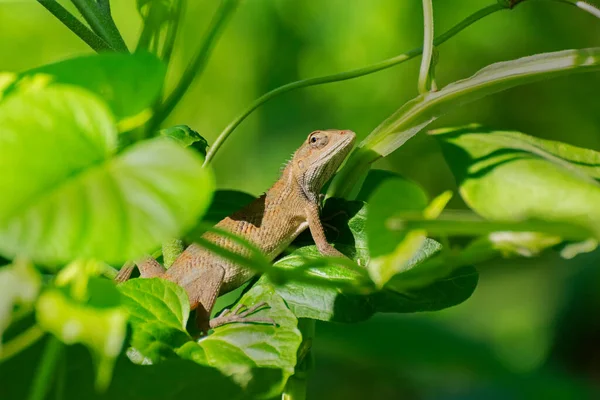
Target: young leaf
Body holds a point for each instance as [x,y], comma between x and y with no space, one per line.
[99,323]
[509,176]
[128,83]
[185,136]
[89,203]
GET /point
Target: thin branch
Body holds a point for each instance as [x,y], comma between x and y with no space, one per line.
[172,30]
[198,63]
[424,74]
[354,73]
[101,23]
[45,370]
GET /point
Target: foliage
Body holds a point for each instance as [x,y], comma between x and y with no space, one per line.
[95,183]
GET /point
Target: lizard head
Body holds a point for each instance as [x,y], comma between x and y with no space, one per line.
[315,162]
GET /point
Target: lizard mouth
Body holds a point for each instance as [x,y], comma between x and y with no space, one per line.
[342,147]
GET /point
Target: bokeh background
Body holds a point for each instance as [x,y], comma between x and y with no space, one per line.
[532,327]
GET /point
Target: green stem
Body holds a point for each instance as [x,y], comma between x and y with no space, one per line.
[75,26]
[172,30]
[101,23]
[43,378]
[295,388]
[21,342]
[197,65]
[171,250]
[147,30]
[355,73]
[416,114]
[424,74]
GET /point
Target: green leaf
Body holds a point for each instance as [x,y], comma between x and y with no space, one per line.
[185,136]
[438,293]
[237,348]
[89,203]
[258,357]
[99,323]
[158,310]
[19,284]
[509,176]
[345,298]
[128,83]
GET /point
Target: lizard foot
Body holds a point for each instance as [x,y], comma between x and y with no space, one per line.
[235,316]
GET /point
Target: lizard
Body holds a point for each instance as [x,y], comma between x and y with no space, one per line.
[271,223]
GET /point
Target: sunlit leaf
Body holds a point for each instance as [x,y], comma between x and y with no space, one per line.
[89,203]
[509,176]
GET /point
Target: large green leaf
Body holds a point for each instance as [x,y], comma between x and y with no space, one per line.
[72,197]
[346,298]
[99,322]
[259,357]
[128,83]
[510,176]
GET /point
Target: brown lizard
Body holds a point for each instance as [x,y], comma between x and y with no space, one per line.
[270,222]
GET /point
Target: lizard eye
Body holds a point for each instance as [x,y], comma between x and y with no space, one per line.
[313,139]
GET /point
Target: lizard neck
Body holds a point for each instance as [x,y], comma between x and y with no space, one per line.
[294,185]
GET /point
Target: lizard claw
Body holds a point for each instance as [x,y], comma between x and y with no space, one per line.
[238,316]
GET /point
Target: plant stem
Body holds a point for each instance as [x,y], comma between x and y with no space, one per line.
[416,114]
[424,75]
[43,377]
[21,342]
[197,65]
[354,73]
[101,23]
[295,388]
[75,26]
[172,30]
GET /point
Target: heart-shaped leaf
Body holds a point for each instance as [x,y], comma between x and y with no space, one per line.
[259,357]
[72,197]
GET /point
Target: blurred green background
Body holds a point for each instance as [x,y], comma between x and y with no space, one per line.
[531,330]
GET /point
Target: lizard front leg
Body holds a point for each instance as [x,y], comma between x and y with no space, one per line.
[318,234]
